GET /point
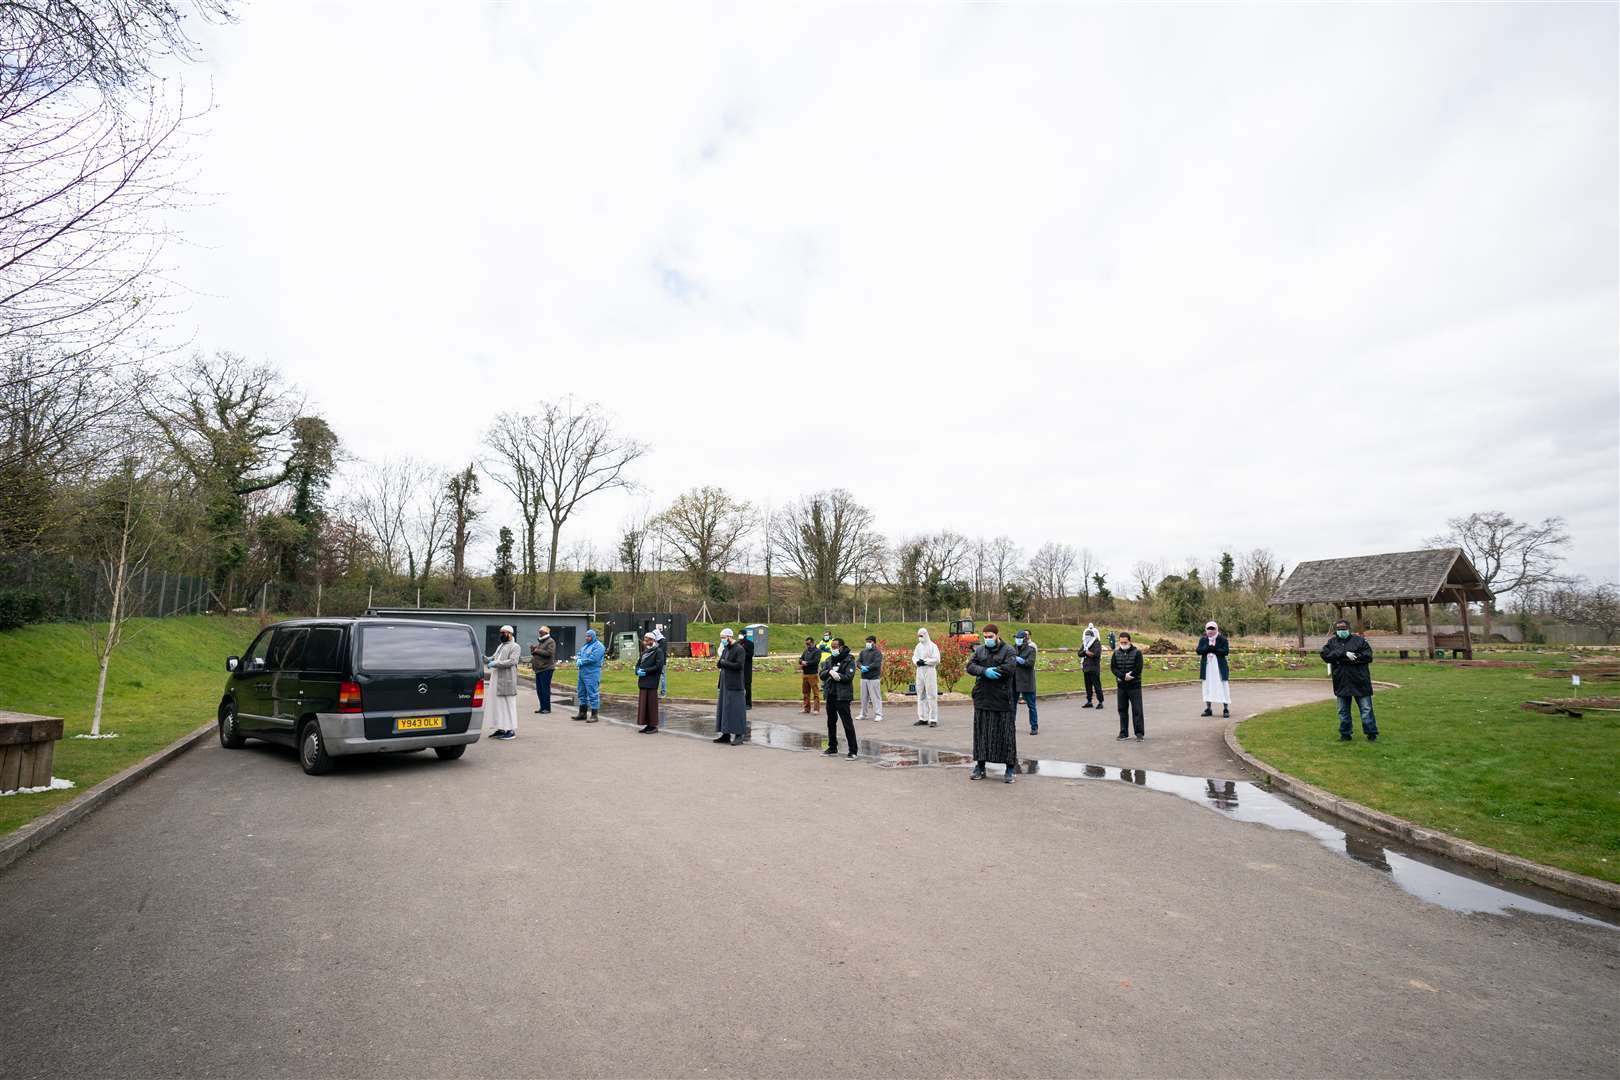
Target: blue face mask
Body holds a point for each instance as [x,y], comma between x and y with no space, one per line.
[1342,633]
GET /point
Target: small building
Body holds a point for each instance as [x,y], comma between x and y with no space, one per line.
[568,627]
[1398,579]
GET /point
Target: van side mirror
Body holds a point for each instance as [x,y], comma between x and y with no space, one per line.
[232,663]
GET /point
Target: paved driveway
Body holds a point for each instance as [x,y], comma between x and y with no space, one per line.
[589,901]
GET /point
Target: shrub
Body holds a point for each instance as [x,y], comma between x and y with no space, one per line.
[898,669]
[19,607]
[953,658]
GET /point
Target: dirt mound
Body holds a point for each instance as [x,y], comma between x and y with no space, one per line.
[1164,647]
[1573,706]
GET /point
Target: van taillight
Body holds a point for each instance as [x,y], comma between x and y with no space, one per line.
[349,697]
[478,695]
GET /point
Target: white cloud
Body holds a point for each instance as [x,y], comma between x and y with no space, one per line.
[1155,280]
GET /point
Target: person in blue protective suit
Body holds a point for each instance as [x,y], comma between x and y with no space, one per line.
[994,739]
[589,687]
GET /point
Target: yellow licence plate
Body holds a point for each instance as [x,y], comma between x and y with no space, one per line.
[418,723]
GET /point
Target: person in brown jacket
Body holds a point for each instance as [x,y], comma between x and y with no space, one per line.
[809,675]
[543,658]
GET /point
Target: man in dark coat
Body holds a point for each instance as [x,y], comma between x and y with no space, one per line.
[543,656]
[871,665]
[649,666]
[810,675]
[1126,664]
[1024,679]
[731,710]
[1348,654]
[1091,664]
[838,689]
[995,735]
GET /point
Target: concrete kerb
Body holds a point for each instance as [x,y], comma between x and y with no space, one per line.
[42,829]
[1567,882]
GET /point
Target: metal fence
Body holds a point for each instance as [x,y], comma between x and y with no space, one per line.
[58,588]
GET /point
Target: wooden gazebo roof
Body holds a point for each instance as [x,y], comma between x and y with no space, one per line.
[1438,574]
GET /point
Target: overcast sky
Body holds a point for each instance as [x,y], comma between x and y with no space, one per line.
[1154,280]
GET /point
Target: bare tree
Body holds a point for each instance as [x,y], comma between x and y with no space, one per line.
[427,529]
[88,166]
[1051,569]
[122,526]
[518,455]
[1509,555]
[632,552]
[580,455]
[706,529]
[827,539]
[1261,572]
[1595,606]
[1086,564]
[1147,575]
[383,500]
[1005,561]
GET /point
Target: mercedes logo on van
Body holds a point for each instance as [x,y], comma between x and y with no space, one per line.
[421,688]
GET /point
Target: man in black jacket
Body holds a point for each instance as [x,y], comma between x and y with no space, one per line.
[748,668]
[871,662]
[1024,679]
[1126,664]
[810,675]
[995,735]
[1348,654]
[1091,664]
[838,689]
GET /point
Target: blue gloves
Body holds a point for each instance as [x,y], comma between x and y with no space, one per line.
[992,673]
[640,672]
[865,670]
[1021,659]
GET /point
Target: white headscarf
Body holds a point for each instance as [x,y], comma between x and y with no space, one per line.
[1089,636]
[926,650]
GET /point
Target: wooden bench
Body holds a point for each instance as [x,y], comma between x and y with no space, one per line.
[1406,644]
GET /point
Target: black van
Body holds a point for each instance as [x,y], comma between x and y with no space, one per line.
[331,687]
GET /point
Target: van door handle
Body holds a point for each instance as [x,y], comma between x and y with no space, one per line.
[261,686]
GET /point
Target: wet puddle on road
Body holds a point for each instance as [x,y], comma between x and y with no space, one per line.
[1425,876]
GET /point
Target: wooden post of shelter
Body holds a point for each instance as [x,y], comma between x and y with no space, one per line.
[1428,629]
[1361,624]
[1400,623]
[1468,636]
[1299,623]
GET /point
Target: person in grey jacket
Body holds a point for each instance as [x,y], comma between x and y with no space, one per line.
[871,664]
[1024,678]
[502,707]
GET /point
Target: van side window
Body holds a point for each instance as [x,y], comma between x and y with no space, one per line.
[323,649]
[286,648]
[257,650]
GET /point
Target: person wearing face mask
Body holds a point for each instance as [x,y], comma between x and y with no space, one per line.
[1091,664]
[871,664]
[1024,679]
[731,708]
[1127,664]
[810,675]
[543,656]
[826,647]
[926,657]
[1348,654]
[995,734]
[838,689]
[648,667]
[588,686]
[1216,676]
[747,643]
[502,707]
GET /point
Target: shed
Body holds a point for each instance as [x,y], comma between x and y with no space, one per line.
[567,627]
[1418,578]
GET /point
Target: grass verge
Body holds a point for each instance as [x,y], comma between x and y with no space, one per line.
[163,682]
[1456,753]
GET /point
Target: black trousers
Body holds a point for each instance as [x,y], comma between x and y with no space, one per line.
[836,711]
[1129,698]
[1094,682]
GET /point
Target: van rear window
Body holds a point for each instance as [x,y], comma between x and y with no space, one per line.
[417,648]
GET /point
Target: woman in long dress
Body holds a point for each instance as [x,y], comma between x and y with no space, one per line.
[1216,676]
[648,670]
[731,707]
[994,737]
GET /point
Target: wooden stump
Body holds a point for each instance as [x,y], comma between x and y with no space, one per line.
[27,749]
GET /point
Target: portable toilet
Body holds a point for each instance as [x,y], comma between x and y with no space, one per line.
[760,635]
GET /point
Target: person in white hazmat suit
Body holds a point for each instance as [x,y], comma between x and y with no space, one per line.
[926,657]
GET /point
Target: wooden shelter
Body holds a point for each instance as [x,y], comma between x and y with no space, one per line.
[1418,578]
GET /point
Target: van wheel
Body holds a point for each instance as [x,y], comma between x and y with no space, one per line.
[230,731]
[450,753]
[312,753]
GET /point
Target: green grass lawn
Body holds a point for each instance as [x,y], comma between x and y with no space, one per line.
[163,682]
[1456,753]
